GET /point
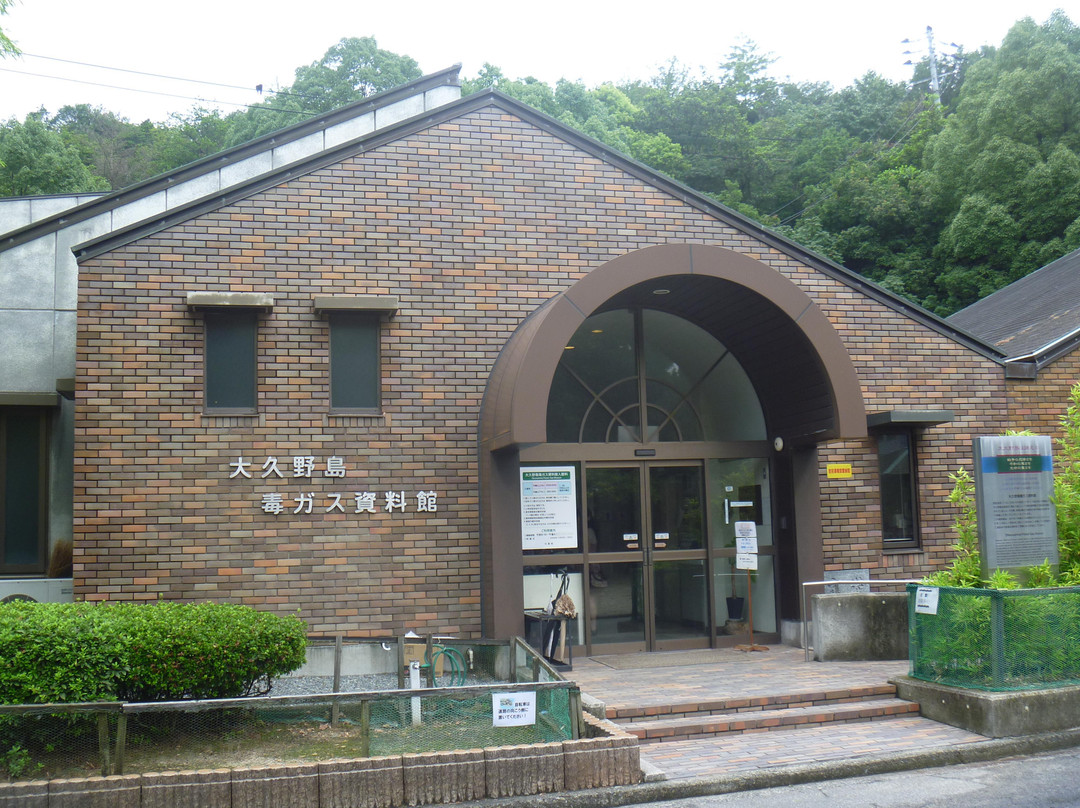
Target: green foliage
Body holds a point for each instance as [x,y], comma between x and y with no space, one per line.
[1039,640]
[17,762]
[966,568]
[939,203]
[1002,579]
[1067,489]
[7,47]
[1040,576]
[35,160]
[81,652]
[354,68]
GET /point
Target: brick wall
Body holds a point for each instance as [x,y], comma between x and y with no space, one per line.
[1038,404]
[471,224]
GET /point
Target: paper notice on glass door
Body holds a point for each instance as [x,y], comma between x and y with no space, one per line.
[549,509]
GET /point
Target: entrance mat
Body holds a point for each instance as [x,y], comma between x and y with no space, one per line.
[671,659]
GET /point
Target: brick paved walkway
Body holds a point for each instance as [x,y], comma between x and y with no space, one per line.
[780,670]
[764,750]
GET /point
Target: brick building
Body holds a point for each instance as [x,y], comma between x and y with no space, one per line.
[410,364]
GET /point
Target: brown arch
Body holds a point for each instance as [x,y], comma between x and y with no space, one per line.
[794,356]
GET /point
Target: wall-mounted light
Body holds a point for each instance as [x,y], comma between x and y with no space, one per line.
[778,443]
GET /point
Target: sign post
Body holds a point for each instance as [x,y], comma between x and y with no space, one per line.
[746,557]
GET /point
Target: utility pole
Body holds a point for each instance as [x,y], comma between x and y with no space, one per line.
[935,86]
[935,80]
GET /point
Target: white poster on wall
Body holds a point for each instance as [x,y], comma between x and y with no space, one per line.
[549,508]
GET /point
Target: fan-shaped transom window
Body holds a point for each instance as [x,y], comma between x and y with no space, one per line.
[629,367]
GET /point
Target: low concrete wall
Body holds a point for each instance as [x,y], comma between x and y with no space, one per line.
[860,626]
[996,715]
[611,758]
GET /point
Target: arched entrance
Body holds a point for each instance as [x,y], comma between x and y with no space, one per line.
[672,392]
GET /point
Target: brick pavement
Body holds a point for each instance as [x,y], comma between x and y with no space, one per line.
[780,672]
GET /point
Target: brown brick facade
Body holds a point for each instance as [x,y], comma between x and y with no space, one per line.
[472,224]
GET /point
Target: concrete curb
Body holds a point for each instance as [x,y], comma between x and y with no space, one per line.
[991,749]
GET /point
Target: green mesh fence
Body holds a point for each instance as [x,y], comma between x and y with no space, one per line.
[89,740]
[991,639]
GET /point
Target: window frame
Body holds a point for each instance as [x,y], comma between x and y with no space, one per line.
[43,417]
[223,306]
[347,389]
[342,312]
[248,362]
[914,541]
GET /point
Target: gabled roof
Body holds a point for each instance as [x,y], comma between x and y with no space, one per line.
[1035,319]
[493,98]
[340,138]
[231,168]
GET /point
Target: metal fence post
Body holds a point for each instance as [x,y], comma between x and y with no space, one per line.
[103,742]
[365,728]
[121,742]
[997,638]
[335,708]
[576,719]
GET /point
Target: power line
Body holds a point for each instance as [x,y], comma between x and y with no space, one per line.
[158,92]
[200,99]
[258,88]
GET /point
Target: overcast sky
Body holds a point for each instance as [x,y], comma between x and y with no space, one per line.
[242,43]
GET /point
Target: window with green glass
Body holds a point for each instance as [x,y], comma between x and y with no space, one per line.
[231,360]
[354,361]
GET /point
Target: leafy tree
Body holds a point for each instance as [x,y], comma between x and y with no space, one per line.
[187,138]
[36,160]
[6,45]
[110,146]
[1004,173]
[349,71]
[352,69]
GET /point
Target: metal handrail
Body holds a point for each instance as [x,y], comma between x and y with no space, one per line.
[867,581]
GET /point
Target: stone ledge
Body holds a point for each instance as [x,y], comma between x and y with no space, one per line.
[855,626]
[995,715]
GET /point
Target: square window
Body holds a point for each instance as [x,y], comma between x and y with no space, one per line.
[899,503]
[354,361]
[231,360]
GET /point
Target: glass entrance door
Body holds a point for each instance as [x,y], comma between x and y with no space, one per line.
[739,491]
[646,557]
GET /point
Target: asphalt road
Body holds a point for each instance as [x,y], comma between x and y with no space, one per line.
[1051,779]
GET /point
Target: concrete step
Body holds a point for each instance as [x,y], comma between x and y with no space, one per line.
[751,704]
[783,718]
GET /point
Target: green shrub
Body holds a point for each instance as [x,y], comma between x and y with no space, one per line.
[1038,638]
[74,652]
[966,568]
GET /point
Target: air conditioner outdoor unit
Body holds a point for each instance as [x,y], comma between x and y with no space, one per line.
[42,590]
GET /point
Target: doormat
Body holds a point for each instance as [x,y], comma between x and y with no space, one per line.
[670,659]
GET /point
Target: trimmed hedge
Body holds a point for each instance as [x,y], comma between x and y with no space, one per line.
[78,652]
